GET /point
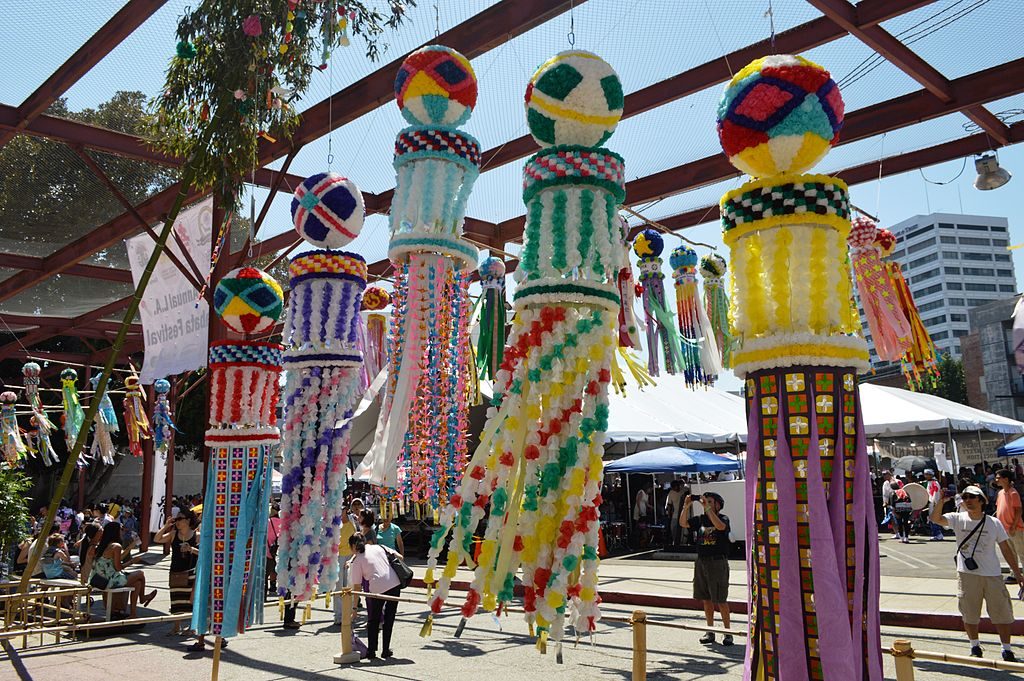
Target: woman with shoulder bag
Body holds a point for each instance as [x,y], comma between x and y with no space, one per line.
[181,533]
[372,562]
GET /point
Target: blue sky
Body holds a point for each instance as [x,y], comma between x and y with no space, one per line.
[645,40]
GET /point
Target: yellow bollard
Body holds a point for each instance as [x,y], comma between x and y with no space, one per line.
[216,660]
[347,655]
[639,622]
[903,657]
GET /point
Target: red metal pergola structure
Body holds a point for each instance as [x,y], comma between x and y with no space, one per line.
[939,96]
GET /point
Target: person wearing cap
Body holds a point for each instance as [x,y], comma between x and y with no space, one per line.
[978,571]
[934,490]
[711,571]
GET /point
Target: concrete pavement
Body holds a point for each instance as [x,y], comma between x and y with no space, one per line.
[269,652]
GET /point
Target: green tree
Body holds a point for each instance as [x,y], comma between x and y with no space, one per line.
[14,515]
[950,383]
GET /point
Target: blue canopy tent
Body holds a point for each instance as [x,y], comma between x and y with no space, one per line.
[1015,448]
[673,460]
[670,460]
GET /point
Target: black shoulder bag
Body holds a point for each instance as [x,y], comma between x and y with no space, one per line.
[403,571]
[969,561]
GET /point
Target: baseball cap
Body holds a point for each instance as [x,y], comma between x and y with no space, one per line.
[717,497]
[929,471]
[974,489]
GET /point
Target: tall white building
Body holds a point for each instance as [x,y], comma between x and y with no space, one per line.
[952,263]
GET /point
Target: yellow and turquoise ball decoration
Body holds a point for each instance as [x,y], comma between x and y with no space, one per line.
[779,115]
[574,98]
[436,86]
[248,300]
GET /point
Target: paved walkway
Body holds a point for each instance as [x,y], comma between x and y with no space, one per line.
[269,652]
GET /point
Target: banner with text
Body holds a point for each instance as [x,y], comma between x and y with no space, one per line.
[174,321]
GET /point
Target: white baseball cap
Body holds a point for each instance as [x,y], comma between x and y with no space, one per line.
[974,489]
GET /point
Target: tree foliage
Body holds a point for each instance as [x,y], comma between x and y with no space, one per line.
[950,383]
[14,513]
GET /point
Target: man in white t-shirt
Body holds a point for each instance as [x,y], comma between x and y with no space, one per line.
[978,569]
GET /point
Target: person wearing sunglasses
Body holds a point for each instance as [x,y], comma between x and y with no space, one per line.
[978,571]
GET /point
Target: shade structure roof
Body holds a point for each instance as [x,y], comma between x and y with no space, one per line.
[914,73]
[1015,448]
[673,460]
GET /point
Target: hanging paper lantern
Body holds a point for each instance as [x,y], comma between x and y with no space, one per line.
[74,415]
[780,114]
[661,334]
[327,210]
[573,98]
[701,362]
[42,426]
[248,300]
[491,341]
[135,420]
[14,448]
[436,86]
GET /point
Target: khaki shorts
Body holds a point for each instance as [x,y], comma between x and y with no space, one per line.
[711,579]
[1017,542]
[973,589]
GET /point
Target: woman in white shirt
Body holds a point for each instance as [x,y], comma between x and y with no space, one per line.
[370,562]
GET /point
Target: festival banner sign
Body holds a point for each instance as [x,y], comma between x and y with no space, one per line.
[174,319]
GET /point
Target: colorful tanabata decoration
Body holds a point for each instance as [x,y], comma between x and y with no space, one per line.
[629,327]
[104,426]
[661,335]
[716,303]
[701,361]
[74,415]
[163,421]
[811,527]
[490,345]
[229,587]
[781,115]
[136,423]
[327,210]
[322,389]
[373,332]
[538,468]
[424,412]
[248,300]
[42,426]
[889,327]
[14,448]
[919,361]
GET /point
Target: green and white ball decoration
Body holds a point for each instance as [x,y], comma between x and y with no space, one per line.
[574,98]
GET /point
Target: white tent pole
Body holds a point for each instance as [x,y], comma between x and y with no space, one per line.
[654,496]
[629,501]
[952,449]
[981,447]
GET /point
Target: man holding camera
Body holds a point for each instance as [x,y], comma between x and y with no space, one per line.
[978,568]
[711,572]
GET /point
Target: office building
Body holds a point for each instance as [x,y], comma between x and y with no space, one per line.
[952,263]
[994,382]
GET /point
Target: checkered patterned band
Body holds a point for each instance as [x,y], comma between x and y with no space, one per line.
[575,166]
[350,265]
[759,203]
[235,352]
[579,292]
[447,145]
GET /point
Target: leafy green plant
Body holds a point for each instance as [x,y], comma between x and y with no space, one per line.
[238,70]
[14,515]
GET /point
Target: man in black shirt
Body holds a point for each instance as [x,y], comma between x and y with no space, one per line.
[711,572]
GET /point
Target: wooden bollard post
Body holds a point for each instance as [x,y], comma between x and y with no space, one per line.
[903,657]
[639,621]
[215,672]
[347,655]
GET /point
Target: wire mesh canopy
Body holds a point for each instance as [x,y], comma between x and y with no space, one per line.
[923,81]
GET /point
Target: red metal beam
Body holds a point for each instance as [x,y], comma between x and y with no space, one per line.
[794,41]
[120,26]
[86,319]
[475,36]
[893,165]
[884,43]
[27,262]
[977,88]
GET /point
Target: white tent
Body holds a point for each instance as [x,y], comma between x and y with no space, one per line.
[671,412]
[892,412]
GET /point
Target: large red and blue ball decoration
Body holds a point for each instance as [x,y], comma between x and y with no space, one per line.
[327,210]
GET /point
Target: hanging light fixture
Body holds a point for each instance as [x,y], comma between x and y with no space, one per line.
[990,175]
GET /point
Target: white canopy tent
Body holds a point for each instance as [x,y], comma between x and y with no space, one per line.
[671,412]
[892,412]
